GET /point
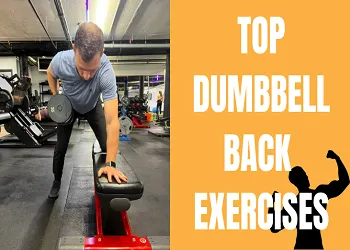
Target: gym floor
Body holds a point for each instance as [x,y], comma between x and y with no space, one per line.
[31,221]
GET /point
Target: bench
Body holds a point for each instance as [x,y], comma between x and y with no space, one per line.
[114,197]
[115,193]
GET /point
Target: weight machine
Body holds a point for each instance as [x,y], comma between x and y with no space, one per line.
[134,109]
[16,113]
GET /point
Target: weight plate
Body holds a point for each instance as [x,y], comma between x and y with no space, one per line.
[125,101]
[60,109]
[6,101]
[126,125]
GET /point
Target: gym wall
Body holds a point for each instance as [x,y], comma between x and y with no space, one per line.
[138,69]
[9,62]
[37,77]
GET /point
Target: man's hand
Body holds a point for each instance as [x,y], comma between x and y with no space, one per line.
[113,172]
[332,155]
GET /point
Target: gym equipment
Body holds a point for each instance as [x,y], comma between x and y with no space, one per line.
[125,101]
[126,126]
[29,134]
[6,101]
[160,132]
[167,125]
[135,108]
[163,130]
[137,121]
[60,109]
[161,121]
[16,83]
[112,201]
[34,109]
[16,120]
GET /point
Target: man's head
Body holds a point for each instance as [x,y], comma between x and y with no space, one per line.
[299,178]
[88,49]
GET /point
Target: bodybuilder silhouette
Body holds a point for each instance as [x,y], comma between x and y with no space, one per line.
[311,239]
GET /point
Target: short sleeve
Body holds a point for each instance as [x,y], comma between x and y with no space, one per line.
[55,65]
[109,87]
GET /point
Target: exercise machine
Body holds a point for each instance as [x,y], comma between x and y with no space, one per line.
[15,115]
[135,109]
[112,200]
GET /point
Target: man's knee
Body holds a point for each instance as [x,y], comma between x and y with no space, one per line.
[61,148]
[60,153]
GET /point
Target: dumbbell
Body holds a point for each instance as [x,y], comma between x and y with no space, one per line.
[34,109]
[60,109]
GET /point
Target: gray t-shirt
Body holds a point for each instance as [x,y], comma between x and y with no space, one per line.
[84,94]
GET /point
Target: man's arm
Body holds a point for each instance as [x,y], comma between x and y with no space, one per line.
[335,188]
[53,73]
[110,98]
[52,81]
[112,126]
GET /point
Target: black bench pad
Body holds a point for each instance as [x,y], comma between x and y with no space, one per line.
[131,190]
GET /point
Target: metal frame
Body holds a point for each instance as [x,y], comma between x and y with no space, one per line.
[129,241]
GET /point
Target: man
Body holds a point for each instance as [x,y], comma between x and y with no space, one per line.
[311,239]
[86,73]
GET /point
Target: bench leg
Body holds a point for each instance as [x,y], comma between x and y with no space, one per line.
[98,216]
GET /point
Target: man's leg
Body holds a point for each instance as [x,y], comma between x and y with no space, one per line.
[97,122]
[63,135]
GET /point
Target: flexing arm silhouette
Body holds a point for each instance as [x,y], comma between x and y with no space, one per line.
[335,188]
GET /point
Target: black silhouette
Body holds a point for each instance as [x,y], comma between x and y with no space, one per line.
[311,239]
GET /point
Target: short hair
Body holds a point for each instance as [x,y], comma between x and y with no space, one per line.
[89,41]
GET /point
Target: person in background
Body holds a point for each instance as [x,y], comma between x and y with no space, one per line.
[159,102]
[43,115]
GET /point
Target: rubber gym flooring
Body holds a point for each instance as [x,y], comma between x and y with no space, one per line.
[31,221]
